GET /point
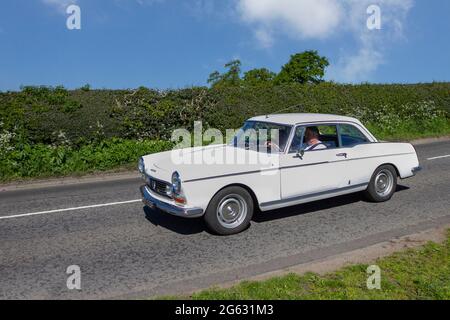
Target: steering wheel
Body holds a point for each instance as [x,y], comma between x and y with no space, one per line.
[272,146]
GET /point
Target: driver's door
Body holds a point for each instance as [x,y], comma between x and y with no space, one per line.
[316,171]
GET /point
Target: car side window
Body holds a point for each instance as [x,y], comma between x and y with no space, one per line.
[297,140]
[351,136]
[327,135]
[314,138]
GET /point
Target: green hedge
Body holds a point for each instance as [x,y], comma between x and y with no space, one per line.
[39,160]
[51,131]
[56,116]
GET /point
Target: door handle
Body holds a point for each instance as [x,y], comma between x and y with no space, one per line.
[342,155]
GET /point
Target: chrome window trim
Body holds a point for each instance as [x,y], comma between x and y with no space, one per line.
[276,123]
[364,131]
[310,124]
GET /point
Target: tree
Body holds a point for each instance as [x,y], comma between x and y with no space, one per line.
[258,76]
[233,75]
[86,87]
[214,78]
[305,67]
[230,78]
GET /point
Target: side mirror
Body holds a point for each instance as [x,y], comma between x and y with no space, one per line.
[300,153]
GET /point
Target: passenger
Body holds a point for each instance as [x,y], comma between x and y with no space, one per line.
[312,139]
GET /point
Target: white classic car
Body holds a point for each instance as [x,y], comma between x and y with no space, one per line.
[309,157]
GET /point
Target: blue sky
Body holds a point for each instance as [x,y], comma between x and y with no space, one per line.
[178,43]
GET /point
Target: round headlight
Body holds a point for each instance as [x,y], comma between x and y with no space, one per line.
[176,183]
[141,165]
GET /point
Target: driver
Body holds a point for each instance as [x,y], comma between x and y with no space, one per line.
[312,139]
[282,138]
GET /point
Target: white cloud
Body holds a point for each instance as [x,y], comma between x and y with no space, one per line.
[372,44]
[357,67]
[320,19]
[264,37]
[298,18]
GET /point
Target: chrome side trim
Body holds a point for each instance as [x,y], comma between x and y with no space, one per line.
[229,175]
[305,165]
[151,201]
[311,197]
[381,156]
[294,166]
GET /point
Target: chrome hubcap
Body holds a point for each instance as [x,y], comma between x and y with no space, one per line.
[384,182]
[231,211]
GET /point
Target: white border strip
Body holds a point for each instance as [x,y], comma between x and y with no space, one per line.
[440,157]
[70,209]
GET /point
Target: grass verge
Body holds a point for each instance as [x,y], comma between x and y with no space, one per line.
[412,274]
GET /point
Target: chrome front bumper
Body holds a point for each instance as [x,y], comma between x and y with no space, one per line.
[152,202]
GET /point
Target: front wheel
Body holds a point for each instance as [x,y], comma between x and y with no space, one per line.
[382,185]
[230,211]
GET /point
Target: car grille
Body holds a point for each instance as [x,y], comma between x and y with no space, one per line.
[160,187]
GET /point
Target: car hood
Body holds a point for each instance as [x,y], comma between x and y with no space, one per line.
[207,162]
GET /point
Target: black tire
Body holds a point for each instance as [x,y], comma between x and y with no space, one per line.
[382,185]
[229,211]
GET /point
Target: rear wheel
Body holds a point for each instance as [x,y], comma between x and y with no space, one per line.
[382,185]
[230,211]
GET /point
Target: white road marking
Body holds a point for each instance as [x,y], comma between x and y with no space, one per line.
[440,157]
[70,209]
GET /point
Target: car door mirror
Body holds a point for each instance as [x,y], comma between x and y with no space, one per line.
[300,153]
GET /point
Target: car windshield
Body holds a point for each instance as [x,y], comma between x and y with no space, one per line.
[262,136]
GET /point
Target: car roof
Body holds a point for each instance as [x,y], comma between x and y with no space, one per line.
[294,118]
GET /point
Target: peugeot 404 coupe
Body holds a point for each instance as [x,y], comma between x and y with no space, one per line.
[274,161]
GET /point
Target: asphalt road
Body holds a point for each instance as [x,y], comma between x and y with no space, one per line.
[126,251]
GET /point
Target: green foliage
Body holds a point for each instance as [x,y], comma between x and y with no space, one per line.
[389,110]
[86,87]
[214,78]
[305,67]
[37,112]
[41,119]
[257,77]
[151,114]
[230,78]
[42,115]
[39,160]
[233,76]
